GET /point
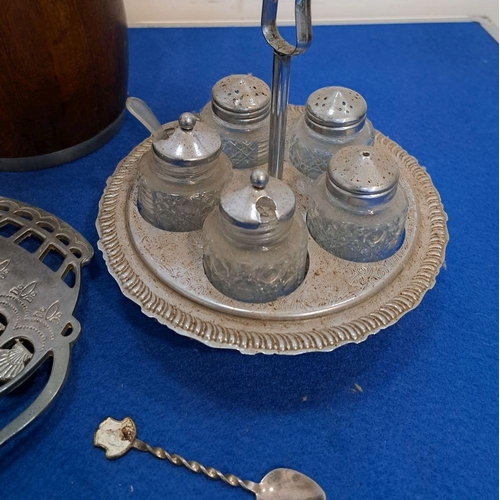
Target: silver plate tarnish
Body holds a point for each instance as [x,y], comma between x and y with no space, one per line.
[338,302]
[40,261]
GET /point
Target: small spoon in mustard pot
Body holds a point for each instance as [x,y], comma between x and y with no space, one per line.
[145,115]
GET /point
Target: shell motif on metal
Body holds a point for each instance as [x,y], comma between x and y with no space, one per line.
[40,261]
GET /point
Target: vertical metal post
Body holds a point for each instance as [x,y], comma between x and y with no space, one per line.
[283,53]
[279,103]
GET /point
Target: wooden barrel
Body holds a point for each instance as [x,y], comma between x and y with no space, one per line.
[63,79]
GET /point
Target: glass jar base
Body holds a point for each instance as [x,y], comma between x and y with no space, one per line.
[246,288]
[353,250]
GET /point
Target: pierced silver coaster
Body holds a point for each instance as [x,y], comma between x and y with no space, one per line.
[40,261]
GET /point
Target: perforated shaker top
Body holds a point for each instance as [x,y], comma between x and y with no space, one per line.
[366,174]
[335,110]
[241,99]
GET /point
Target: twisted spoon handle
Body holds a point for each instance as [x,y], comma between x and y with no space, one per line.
[117,437]
[193,466]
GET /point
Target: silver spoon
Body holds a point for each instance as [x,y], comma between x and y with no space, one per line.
[143,113]
[116,437]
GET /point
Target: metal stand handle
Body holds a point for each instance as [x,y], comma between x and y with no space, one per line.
[283,52]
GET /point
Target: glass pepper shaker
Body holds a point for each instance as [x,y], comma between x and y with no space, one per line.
[358,209]
[181,177]
[334,117]
[239,111]
[255,245]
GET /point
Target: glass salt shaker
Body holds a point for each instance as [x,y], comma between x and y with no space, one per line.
[255,245]
[358,208]
[181,177]
[239,111]
[334,117]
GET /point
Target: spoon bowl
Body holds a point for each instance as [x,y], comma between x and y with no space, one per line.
[288,484]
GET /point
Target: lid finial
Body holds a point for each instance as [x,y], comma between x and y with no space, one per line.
[187,121]
[259,179]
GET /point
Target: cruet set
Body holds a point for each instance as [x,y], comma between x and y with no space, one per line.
[221,172]
[210,173]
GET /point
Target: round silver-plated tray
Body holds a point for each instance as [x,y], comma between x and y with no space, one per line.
[338,302]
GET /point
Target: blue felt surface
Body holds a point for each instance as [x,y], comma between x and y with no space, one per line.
[425,425]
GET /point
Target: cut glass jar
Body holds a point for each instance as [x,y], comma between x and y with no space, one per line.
[334,117]
[358,209]
[180,178]
[255,245]
[239,111]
